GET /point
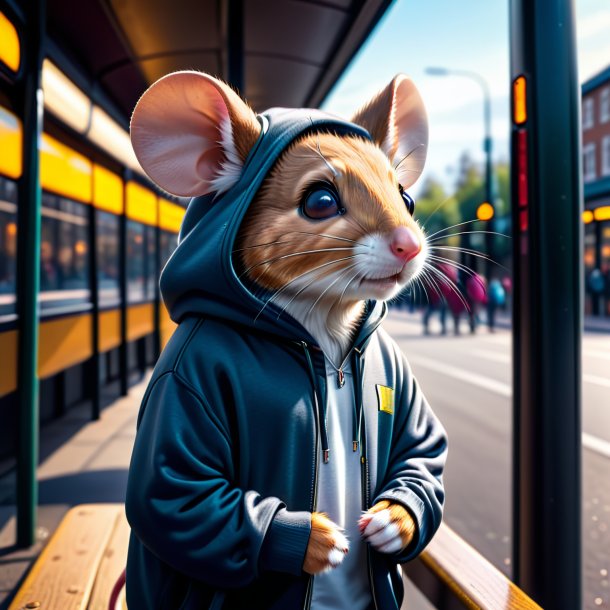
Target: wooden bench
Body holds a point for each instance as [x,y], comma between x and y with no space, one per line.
[451,574]
[85,557]
[80,564]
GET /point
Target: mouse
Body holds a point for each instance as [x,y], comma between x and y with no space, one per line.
[285,455]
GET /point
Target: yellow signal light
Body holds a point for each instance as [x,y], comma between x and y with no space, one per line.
[485,211]
[520,100]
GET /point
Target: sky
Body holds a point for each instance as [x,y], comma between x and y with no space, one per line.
[468,35]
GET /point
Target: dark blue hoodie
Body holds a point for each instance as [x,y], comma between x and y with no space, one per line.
[222,480]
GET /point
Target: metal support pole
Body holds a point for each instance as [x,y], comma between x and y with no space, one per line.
[93,368]
[234,41]
[123,360]
[157,303]
[28,274]
[547,319]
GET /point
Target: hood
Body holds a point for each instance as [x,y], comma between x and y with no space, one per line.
[200,279]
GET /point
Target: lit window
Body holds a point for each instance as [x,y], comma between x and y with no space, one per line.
[604,106]
[606,156]
[587,113]
[589,162]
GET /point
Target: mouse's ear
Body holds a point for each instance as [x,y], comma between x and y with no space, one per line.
[192,133]
[397,121]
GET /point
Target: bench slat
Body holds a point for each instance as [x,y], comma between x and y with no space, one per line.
[63,575]
[112,564]
[471,578]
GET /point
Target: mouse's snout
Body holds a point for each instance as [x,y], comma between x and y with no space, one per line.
[405,244]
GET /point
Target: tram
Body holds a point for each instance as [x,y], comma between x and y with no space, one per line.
[84,234]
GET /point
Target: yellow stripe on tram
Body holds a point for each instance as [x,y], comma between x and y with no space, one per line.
[10,50]
[11,138]
[64,171]
[107,190]
[141,204]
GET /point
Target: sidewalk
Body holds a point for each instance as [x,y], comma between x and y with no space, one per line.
[81,461]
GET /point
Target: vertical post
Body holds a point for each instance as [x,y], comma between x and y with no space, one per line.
[28,273]
[157,272]
[547,323]
[94,363]
[123,360]
[489,185]
[234,37]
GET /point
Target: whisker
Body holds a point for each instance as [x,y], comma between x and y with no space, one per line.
[269,243]
[434,285]
[452,263]
[467,233]
[407,156]
[353,241]
[284,256]
[450,282]
[436,209]
[471,252]
[459,224]
[340,276]
[298,277]
[346,287]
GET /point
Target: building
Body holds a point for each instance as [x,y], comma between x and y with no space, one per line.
[596,178]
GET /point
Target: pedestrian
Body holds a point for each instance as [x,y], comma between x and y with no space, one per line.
[496,298]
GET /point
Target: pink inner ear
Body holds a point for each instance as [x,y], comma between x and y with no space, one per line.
[175,132]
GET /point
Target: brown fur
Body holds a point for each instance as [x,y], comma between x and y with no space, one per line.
[399,516]
[366,184]
[321,542]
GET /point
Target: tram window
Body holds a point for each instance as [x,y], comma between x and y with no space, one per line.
[149,264]
[136,256]
[8,246]
[108,258]
[64,253]
[169,241]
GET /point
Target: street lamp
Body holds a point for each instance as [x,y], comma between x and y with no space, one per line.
[487,147]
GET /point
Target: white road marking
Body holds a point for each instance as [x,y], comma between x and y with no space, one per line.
[593,443]
[503,389]
[602,381]
[597,353]
[596,444]
[488,354]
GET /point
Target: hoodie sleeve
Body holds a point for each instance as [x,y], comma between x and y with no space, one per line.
[181,502]
[417,458]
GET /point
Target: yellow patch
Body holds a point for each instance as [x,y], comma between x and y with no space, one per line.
[385,399]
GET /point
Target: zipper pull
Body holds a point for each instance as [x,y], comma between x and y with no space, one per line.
[326,453]
[340,378]
[355,444]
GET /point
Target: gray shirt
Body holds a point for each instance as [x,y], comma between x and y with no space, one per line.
[339,496]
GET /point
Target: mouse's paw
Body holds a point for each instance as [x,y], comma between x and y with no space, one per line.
[387,527]
[327,545]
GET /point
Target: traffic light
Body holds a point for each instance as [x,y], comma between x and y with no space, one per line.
[485,211]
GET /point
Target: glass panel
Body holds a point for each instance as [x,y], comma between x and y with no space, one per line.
[169,241]
[135,262]
[64,253]
[8,246]
[152,278]
[108,270]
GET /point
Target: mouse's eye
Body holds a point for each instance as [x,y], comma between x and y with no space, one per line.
[409,202]
[321,202]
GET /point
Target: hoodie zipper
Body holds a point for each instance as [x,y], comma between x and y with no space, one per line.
[364,462]
[320,427]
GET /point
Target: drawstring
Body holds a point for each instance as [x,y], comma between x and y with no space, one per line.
[357,412]
[321,415]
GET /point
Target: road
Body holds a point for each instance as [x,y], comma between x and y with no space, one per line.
[467,380]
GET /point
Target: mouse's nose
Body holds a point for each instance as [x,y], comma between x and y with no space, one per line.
[404,244]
